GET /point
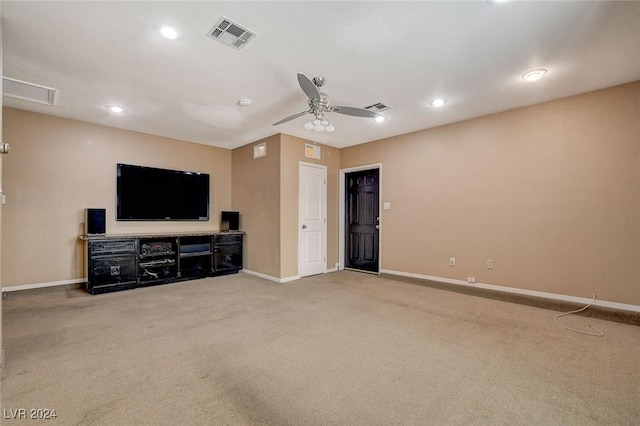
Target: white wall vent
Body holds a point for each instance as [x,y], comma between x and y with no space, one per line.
[312,151]
[260,150]
[25,91]
[378,107]
[230,33]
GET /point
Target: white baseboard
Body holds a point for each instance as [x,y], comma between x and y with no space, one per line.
[271,278]
[43,285]
[281,280]
[7,289]
[513,290]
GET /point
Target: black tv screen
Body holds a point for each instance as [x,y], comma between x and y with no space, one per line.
[148,193]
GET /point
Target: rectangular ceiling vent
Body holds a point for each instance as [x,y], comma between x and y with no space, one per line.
[230,33]
[379,107]
[22,90]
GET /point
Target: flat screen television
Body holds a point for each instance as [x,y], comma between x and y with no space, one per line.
[149,193]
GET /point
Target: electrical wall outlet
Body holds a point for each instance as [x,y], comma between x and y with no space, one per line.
[489,264]
[471,279]
[452,261]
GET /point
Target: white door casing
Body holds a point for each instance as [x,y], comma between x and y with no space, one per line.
[312,222]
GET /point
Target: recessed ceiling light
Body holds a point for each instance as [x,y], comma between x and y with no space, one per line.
[438,102]
[169,32]
[244,102]
[534,75]
[116,109]
[379,118]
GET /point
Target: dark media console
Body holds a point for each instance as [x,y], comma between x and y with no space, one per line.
[123,262]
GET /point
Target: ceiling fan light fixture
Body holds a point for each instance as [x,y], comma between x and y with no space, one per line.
[319,125]
[319,104]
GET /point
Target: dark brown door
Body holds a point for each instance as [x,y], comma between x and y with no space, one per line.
[362,220]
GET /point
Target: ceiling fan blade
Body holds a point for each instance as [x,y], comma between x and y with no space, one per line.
[308,87]
[292,117]
[356,112]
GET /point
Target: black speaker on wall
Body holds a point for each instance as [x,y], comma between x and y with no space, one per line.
[95,221]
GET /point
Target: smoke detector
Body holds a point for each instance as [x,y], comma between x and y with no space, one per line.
[230,33]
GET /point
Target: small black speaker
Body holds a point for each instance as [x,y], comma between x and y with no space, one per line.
[229,221]
[95,221]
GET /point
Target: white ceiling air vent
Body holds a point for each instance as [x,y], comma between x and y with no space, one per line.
[17,89]
[230,33]
[379,107]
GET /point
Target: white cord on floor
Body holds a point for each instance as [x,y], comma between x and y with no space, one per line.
[599,332]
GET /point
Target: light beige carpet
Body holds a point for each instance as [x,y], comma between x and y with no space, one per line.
[342,348]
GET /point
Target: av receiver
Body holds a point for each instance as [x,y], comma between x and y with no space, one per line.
[156,247]
[108,247]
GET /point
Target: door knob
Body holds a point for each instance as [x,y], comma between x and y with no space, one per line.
[304,226]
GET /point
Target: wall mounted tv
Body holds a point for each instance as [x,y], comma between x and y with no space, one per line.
[148,193]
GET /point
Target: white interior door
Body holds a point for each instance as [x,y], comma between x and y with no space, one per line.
[312,246]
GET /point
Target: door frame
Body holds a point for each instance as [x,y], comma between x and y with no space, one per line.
[341,204]
[324,213]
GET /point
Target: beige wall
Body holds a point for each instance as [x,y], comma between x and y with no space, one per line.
[265,191]
[256,195]
[550,193]
[292,155]
[58,167]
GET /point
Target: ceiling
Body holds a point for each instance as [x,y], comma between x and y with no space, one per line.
[403,54]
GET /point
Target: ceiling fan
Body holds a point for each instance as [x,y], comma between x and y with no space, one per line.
[319,105]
